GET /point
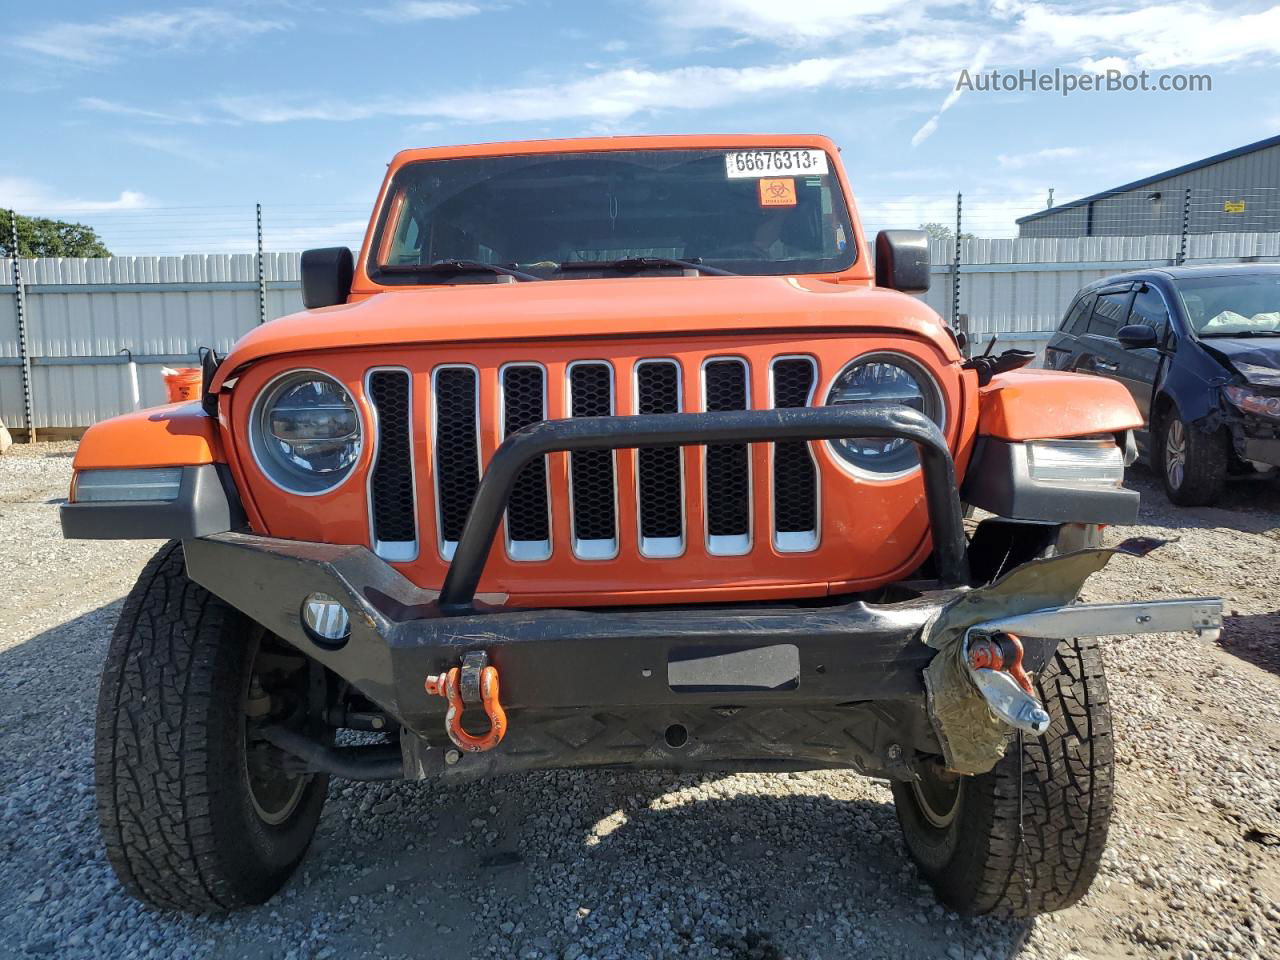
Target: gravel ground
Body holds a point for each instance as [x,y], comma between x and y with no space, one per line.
[607,864]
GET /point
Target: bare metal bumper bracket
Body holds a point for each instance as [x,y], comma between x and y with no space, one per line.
[1017,706]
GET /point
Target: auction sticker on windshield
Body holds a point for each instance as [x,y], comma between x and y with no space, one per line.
[767,163]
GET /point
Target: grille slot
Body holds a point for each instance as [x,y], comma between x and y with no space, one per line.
[392,499]
[524,401]
[592,490]
[727,490]
[659,470]
[456,450]
[795,472]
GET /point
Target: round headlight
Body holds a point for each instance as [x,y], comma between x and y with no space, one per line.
[884,378]
[305,432]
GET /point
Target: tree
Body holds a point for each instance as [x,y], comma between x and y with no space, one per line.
[42,237]
[940,231]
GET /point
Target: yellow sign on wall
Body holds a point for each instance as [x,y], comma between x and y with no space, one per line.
[1233,206]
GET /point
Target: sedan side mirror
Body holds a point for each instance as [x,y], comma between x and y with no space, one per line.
[326,276]
[1135,336]
[902,260]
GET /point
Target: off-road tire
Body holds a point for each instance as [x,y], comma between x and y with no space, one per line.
[177,815]
[1204,466]
[976,863]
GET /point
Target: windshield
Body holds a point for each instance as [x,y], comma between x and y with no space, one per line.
[1237,306]
[764,212]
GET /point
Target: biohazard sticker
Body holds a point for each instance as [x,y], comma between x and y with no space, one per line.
[777,192]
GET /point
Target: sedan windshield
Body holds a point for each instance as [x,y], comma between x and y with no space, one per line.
[1235,306]
[614,213]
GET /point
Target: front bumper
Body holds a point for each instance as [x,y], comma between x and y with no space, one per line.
[764,688]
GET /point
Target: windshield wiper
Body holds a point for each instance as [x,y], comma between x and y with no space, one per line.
[457,266]
[641,263]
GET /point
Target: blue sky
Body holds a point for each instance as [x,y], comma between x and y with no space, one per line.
[162,124]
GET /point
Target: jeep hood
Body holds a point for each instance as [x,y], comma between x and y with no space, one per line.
[590,309]
[1257,359]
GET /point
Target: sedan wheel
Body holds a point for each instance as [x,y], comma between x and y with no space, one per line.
[1175,453]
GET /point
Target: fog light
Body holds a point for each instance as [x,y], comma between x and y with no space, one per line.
[1093,462]
[326,619]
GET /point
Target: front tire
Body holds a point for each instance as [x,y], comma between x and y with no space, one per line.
[963,831]
[1192,463]
[196,812]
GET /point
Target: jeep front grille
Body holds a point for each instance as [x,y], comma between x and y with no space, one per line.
[466,401]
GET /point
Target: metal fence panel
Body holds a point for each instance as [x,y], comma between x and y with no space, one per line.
[82,313]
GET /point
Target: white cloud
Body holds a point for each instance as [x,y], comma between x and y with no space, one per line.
[1161,36]
[100,105]
[865,45]
[618,94]
[108,41]
[408,10]
[1103,64]
[172,146]
[930,125]
[37,199]
[796,23]
[1020,161]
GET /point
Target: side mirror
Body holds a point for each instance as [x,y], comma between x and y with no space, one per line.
[326,276]
[1135,336]
[902,260]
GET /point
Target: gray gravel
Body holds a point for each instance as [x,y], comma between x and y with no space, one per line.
[611,865]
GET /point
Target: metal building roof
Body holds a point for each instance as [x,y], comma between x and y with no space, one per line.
[1146,181]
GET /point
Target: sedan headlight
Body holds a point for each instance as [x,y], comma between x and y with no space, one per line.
[884,378]
[305,432]
[1251,401]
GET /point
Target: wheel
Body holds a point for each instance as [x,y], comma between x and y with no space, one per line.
[197,813]
[963,832]
[1192,464]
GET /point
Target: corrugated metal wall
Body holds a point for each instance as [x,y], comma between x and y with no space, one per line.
[80,314]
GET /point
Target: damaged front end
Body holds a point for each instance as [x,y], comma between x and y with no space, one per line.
[977,691]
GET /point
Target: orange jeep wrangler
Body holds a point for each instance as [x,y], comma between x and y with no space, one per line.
[614,452]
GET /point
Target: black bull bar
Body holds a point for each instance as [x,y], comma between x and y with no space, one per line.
[552,659]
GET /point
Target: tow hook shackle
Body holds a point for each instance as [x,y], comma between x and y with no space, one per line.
[481,680]
[995,665]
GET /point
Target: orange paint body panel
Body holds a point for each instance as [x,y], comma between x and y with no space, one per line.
[1035,404]
[170,436]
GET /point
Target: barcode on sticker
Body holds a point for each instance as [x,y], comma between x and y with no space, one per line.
[768,163]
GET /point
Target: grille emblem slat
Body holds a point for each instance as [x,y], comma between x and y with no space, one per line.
[456,449]
[524,401]
[659,470]
[592,473]
[392,494]
[727,483]
[795,472]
